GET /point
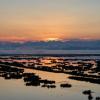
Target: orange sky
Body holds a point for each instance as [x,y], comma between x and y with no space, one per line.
[62,20]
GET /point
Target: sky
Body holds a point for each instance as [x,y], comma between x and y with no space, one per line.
[37,20]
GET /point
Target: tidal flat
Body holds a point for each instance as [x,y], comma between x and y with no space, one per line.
[31,77]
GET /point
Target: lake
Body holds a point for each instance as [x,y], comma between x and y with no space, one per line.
[16,89]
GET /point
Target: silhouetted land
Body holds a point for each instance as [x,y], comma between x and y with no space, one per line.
[9,72]
[50,55]
[89,94]
[87,70]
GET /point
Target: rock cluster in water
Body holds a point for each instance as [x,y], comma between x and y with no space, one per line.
[30,79]
[89,94]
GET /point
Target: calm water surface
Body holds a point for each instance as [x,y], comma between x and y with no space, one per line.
[16,89]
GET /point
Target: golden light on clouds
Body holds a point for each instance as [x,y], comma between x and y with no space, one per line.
[52,39]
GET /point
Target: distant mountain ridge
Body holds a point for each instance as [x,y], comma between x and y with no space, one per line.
[52,45]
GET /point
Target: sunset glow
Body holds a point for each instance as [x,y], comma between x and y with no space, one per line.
[52,39]
[50,49]
[32,20]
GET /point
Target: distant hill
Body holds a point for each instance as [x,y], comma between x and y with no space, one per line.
[53,45]
[50,45]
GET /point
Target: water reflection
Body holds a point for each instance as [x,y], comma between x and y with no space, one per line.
[36,72]
[30,79]
[83,70]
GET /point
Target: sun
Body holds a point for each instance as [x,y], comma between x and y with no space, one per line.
[52,39]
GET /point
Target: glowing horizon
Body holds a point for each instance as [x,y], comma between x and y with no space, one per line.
[40,20]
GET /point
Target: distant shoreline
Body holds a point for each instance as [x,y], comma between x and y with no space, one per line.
[51,52]
[54,55]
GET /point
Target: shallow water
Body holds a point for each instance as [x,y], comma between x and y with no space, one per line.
[16,89]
